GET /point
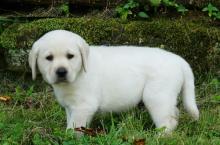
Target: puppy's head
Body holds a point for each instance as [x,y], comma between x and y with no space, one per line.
[60,55]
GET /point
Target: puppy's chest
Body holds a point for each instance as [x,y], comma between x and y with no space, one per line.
[65,97]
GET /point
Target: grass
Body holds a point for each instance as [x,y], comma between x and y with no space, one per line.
[33,116]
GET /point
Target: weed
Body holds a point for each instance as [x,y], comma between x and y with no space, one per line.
[64,9]
[128,9]
[181,9]
[172,4]
[212,11]
[133,8]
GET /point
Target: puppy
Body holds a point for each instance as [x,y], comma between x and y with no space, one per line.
[87,78]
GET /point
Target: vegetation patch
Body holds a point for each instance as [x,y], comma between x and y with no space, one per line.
[43,121]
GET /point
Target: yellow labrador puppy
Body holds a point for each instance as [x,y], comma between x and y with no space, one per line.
[87,78]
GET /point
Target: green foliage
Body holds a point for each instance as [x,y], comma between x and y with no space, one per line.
[169,4]
[143,15]
[21,93]
[215,83]
[64,8]
[128,9]
[180,8]
[133,8]
[155,3]
[212,11]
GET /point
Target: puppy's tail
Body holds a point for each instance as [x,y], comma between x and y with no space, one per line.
[188,92]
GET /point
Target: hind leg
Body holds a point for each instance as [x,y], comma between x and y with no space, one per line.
[161,104]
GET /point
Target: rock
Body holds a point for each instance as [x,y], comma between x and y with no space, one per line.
[197,42]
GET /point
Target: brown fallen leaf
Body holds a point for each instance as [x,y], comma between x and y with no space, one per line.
[139,142]
[90,131]
[31,103]
[5,98]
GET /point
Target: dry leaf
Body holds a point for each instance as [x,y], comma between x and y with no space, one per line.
[90,131]
[29,103]
[139,142]
[5,98]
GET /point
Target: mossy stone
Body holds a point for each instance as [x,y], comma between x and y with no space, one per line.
[199,44]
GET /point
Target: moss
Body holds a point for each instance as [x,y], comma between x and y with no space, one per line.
[197,43]
[192,41]
[94,31]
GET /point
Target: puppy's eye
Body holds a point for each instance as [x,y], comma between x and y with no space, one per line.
[69,56]
[49,57]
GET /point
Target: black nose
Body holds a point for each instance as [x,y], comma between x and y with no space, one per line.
[61,72]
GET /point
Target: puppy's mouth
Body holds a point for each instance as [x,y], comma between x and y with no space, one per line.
[61,80]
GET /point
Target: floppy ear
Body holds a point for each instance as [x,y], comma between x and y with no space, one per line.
[84,51]
[32,59]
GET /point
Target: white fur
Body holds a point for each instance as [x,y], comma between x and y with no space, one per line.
[116,78]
